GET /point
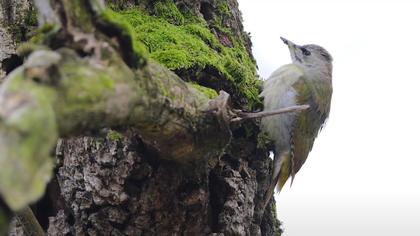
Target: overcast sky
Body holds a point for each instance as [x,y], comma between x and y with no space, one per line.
[362,177]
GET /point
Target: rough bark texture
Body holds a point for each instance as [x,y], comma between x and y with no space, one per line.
[117,187]
[16,20]
[113,183]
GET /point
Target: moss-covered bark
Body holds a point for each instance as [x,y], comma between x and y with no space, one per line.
[171,164]
[59,93]
[187,46]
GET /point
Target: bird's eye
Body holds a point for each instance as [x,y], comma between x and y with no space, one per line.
[305,51]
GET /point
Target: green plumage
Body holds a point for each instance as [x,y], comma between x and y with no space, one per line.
[316,94]
[308,81]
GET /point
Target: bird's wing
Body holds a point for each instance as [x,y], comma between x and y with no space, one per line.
[278,92]
[317,94]
[281,80]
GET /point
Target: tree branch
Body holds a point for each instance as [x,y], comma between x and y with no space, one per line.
[59,94]
[244,115]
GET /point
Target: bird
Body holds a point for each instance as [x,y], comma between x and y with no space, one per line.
[307,80]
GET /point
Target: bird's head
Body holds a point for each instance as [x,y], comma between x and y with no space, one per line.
[311,56]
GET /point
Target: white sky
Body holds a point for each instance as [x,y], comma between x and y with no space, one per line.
[362,177]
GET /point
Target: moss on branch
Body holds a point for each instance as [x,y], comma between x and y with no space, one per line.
[28,131]
[188,44]
[115,25]
[210,93]
[60,93]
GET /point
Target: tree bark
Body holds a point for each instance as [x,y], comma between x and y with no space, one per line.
[160,157]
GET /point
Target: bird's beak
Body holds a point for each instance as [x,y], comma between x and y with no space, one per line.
[292,48]
[285,41]
[288,42]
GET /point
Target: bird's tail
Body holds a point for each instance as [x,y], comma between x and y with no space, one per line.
[270,192]
[281,172]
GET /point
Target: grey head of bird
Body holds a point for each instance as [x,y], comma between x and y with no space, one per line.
[313,58]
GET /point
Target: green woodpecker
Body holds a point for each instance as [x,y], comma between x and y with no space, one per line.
[308,80]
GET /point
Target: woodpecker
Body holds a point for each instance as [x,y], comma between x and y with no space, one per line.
[307,80]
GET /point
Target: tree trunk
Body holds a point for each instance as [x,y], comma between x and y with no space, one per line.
[179,171]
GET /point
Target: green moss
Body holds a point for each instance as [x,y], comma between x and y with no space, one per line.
[84,86]
[38,40]
[263,140]
[277,230]
[92,92]
[193,46]
[78,15]
[223,8]
[277,223]
[210,93]
[26,140]
[167,10]
[135,52]
[31,18]
[27,48]
[44,33]
[114,135]
[204,35]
